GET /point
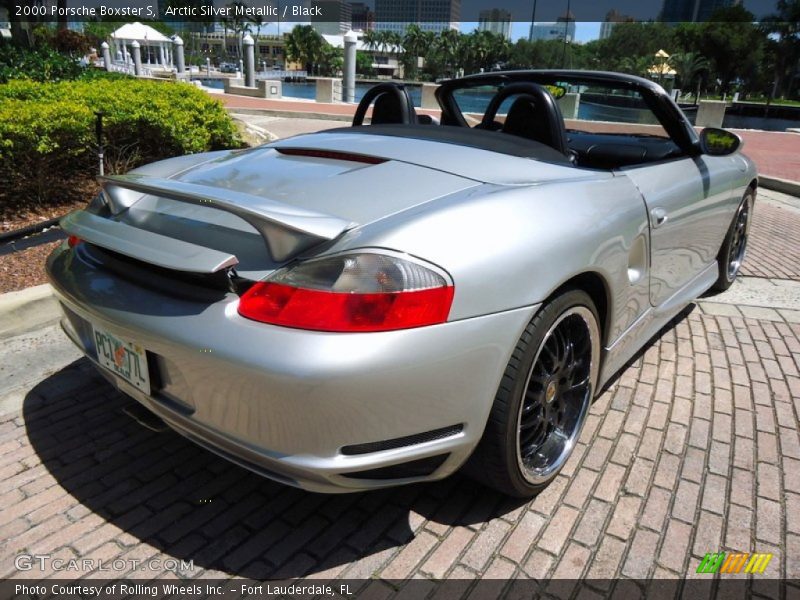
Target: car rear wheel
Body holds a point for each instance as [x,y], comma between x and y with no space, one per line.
[731,255]
[543,399]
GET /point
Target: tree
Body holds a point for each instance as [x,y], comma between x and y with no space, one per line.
[687,66]
[304,45]
[784,29]
[732,44]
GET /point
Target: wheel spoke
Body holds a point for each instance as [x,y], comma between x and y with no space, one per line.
[556,399]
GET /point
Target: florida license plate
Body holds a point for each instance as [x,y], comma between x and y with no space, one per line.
[122,357]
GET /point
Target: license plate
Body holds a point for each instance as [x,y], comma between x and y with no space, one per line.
[126,359]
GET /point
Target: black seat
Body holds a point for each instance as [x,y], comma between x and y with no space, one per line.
[393,105]
[533,115]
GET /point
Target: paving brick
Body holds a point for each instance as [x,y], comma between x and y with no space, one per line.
[580,488]
[686,500]
[639,560]
[538,564]
[486,544]
[574,563]
[708,533]
[410,557]
[674,552]
[558,529]
[449,551]
[639,477]
[656,508]
[738,528]
[625,516]
[715,494]
[768,521]
[522,537]
[592,522]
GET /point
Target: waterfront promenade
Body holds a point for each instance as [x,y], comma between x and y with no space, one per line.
[776,154]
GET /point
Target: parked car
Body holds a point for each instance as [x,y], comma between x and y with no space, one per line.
[387,303]
[228,67]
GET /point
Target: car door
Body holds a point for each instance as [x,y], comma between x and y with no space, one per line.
[688,201]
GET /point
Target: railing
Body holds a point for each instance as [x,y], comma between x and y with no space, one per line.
[128,68]
[275,74]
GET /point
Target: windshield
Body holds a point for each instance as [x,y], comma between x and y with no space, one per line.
[591,107]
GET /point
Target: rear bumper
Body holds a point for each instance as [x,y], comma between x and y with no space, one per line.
[284,402]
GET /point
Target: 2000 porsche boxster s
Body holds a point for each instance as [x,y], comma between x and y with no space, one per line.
[381,304]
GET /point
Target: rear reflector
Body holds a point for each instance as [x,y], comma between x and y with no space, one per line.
[73,241]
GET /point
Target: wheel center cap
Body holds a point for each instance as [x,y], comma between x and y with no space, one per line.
[550,391]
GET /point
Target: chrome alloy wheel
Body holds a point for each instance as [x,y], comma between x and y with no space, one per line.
[738,247]
[558,393]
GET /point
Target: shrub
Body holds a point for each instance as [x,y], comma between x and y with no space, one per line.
[47,144]
[39,64]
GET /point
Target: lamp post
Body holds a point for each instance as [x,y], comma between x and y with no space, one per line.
[566,35]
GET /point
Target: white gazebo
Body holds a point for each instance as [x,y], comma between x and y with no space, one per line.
[156,48]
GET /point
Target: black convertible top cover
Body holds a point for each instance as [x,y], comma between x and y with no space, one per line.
[493,141]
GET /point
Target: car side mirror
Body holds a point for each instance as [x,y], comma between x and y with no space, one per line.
[719,142]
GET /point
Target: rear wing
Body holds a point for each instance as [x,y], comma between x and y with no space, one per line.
[286,230]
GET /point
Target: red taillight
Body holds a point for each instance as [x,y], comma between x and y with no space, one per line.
[320,310]
[73,241]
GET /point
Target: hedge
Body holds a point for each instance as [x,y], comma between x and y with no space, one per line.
[47,143]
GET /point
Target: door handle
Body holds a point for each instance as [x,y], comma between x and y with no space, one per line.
[658,216]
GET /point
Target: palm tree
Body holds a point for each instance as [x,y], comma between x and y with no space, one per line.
[371,40]
[688,65]
[415,42]
[304,45]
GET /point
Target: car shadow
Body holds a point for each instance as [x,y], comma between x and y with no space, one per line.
[188,504]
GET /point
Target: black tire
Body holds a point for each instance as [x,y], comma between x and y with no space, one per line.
[734,247]
[533,381]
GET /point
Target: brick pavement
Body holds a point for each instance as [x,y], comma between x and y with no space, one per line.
[694,448]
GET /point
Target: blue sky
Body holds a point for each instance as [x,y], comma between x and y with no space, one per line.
[584,32]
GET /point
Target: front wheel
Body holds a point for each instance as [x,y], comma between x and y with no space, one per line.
[543,398]
[731,255]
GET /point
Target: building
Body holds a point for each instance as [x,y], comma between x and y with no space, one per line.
[562,29]
[430,15]
[181,23]
[336,17]
[612,18]
[270,50]
[362,16]
[695,11]
[495,20]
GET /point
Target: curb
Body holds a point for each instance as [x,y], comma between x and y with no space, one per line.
[27,310]
[779,185]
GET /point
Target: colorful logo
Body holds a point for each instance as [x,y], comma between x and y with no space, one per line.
[734,562]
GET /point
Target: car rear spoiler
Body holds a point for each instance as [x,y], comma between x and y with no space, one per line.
[146,246]
[286,230]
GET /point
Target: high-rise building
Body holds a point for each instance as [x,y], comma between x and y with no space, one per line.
[563,28]
[692,10]
[495,20]
[182,23]
[336,17]
[612,18]
[363,17]
[430,15]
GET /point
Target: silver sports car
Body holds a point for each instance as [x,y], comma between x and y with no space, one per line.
[383,304]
